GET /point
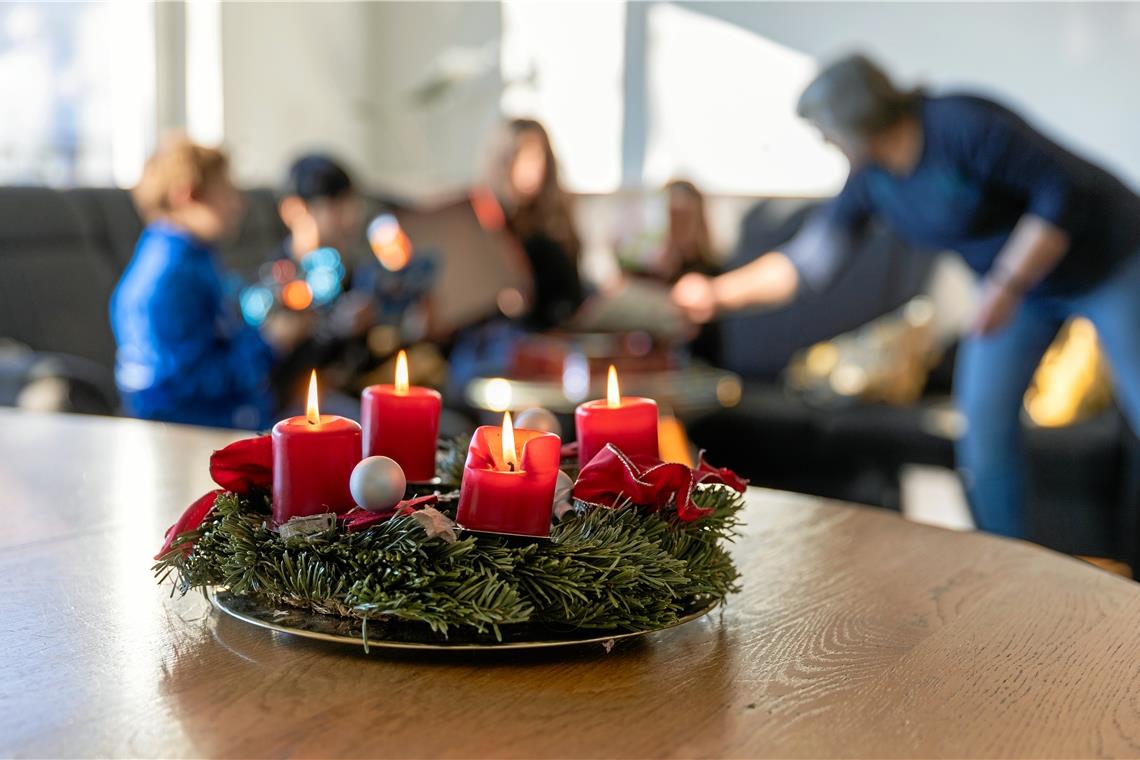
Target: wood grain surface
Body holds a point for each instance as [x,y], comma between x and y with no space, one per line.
[857,634]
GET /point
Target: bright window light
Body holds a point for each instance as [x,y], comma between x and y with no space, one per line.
[204,115]
[722,111]
[562,63]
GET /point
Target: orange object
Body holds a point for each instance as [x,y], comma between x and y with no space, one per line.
[297,295]
[673,441]
[487,209]
[390,244]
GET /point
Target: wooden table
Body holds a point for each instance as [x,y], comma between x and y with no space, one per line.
[857,634]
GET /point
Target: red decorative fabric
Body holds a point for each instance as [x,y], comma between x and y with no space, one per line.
[359,519]
[194,515]
[611,476]
[244,465]
[239,467]
[706,473]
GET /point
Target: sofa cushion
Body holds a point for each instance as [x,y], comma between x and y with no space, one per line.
[54,287]
[110,221]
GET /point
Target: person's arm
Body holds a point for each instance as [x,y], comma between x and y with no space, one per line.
[810,259]
[770,280]
[1006,152]
[1032,251]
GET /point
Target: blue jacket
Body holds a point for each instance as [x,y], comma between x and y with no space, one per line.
[184,355]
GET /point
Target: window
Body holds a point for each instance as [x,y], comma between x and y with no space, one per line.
[77,83]
[635,94]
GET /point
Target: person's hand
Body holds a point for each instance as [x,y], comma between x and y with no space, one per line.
[284,330]
[694,296]
[999,303]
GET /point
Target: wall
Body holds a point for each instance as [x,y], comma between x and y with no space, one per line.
[406,91]
[364,80]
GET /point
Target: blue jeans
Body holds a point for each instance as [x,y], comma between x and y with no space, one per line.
[993,372]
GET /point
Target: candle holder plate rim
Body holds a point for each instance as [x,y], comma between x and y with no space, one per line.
[320,627]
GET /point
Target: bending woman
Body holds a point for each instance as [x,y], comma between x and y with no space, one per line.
[1051,234]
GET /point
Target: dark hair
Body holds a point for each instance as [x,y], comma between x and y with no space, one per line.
[855,98]
[316,176]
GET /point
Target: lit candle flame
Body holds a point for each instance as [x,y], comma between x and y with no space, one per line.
[402,373]
[510,456]
[312,410]
[613,392]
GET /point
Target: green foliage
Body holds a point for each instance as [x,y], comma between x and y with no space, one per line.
[604,569]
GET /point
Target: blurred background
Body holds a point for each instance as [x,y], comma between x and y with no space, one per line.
[845,396]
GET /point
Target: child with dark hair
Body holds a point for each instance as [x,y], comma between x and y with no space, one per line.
[320,206]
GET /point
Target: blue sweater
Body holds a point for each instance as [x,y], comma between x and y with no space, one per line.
[982,168]
[183,354]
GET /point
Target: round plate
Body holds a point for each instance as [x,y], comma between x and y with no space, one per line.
[394,635]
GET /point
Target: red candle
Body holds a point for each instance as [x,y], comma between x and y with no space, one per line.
[401,421]
[507,489]
[629,423]
[313,457]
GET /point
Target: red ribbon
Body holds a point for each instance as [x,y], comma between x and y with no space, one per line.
[359,519]
[194,515]
[611,477]
[240,467]
[244,465]
[706,473]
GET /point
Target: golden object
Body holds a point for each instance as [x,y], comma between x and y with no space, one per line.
[672,441]
[885,360]
[1072,382]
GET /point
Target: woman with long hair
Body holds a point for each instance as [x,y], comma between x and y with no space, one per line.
[523,175]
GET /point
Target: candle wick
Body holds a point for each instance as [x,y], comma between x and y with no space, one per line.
[510,466]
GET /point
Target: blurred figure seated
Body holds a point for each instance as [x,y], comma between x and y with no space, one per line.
[309,275]
[688,245]
[684,245]
[523,174]
[183,352]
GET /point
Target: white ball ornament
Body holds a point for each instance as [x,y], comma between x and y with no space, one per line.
[537,418]
[377,483]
